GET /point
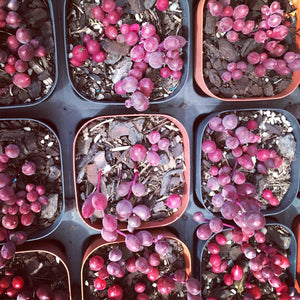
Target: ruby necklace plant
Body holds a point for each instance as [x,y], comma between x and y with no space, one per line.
[17,206]
[128,159]
[22,280]
[20,49]
[144,50]
[243,162]
[263,43]
[255,268]
[109,266]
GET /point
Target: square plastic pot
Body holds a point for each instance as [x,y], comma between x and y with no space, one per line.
[186,33]
[43,98]
[199,67]
[35,235]
[186,173]
[53,251]
[291,255]
[290,195]
[97,243]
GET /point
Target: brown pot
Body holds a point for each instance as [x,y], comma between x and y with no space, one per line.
[99,242]
[199,76]
[148,224]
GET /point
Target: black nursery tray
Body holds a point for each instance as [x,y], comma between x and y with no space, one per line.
[65,111]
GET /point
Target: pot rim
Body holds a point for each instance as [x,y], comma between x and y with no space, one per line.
[290,195]
[185,197]
[99,242]
[198,71]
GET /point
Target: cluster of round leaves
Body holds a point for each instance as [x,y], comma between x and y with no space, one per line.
[14,286]
[22,47]
[234,196]
[125,211]
[17,206]
[271,30]
[146,263]
[148,52]
[265,264]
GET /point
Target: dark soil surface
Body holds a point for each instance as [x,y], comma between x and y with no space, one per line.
[174,260]
[96,81]
[213,284]
[105,143]
[218,52]
[39,145]
[275,130]
[35,16]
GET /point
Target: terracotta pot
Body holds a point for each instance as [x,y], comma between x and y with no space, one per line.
[147,224]
[97,243]
[291,255]
[54,181]
[53,250]
[198,72]
[292,191]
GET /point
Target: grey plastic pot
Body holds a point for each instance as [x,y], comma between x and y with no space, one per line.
[291,255]
[187,34]
[36,235]
[43,98]
[290,195]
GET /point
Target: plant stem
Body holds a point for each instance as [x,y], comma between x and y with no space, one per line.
[99,180]
[230,226]
[229,132]
[136,174]
[234,167]
[121,233]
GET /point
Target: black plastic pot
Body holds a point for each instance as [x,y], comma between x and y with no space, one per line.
[187,34]
[34,102]
[291,255]
[290,195]
[32,236]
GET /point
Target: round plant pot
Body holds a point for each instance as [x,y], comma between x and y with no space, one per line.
[118,132]
[200,66]
[39,144]
[99,86]
[277,235]
[39,19]
[99,247]
[286,120]
[41,262]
